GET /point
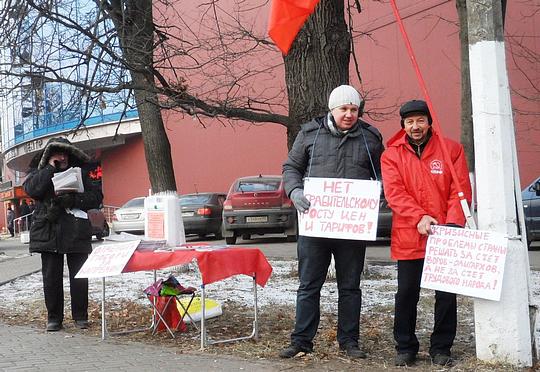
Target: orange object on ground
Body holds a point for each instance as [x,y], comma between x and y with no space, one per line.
[166,305]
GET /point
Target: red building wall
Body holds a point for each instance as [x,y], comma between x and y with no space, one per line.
[432,27]
[204,159]
[209,159]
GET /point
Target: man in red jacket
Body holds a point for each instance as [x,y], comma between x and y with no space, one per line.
[419,189]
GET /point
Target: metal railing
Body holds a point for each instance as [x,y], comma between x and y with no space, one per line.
[108,211]
[50,124]
[22,223]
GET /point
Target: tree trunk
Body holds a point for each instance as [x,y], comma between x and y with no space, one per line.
[317,63]
[133,19]
[157,148]
[467,135]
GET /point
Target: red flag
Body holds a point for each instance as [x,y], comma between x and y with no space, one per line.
[287,18]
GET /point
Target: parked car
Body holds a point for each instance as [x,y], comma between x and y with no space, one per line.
[100,227]
[384,224]
[258,205]
[202,213]
[531,209]
[130,217]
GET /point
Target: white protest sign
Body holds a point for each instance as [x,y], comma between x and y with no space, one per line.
[340,208]
[107,260]
[464,261]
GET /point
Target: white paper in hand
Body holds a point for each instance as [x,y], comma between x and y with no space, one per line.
[69,180]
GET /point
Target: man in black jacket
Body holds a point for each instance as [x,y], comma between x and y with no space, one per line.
[338,145]
[60,227]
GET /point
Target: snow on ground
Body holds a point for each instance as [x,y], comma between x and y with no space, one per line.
[280,288]
[378,287]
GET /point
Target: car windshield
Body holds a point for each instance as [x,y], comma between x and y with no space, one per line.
[134,203]
[258,185]
[194,199]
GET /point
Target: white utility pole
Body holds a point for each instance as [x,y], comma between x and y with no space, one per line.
[503,330]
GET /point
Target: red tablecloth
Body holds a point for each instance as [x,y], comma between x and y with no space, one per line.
[214,265]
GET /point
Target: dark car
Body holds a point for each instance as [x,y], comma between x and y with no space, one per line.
[100,227]
[384,224]
[531,208]
[258,205]
[202,213]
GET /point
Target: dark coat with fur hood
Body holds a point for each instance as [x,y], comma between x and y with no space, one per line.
[53,229]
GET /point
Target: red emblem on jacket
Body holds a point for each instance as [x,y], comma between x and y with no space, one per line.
[436,166]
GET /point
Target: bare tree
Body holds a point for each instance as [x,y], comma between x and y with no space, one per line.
[206,60]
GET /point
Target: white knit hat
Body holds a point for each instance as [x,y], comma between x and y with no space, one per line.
[344,95]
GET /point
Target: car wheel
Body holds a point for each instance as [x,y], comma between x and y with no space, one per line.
[246,236]
[230,239]
[105,232]
[218,235]
[292,238]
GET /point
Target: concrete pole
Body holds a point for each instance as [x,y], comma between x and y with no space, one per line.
[502,328]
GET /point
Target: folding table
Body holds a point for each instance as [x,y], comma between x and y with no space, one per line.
[215,264]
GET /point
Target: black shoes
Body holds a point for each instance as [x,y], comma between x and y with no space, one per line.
[353,351]
[405,359]
[82,324]
[442,360]
[292,351]
[53,326]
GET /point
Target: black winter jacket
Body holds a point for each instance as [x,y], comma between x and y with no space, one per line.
[53,229]
[333,156]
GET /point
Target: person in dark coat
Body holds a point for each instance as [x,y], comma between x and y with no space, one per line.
[25,211]
[31,208]
[61,227]
[10,217]
[337,145]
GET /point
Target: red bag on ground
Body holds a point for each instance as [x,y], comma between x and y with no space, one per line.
[169,314]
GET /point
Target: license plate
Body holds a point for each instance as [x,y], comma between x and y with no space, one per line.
[257,219]
[187,214]
[130,216]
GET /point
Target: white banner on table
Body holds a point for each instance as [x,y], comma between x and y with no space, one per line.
[468,262]
[340,208]
[107,260]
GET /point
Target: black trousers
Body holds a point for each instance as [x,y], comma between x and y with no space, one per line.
[314,256]
[52,265]
[407,296]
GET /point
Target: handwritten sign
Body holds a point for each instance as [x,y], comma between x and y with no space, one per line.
[341,208]
[107,260]
[156,225]
[468,262]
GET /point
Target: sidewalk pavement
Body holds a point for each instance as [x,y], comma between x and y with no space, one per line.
[29,349]
[16,261]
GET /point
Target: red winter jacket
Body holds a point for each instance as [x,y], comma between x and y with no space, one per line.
[415,187]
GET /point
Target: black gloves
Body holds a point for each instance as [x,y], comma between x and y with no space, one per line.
[65,200]
[53,212]
[59,204]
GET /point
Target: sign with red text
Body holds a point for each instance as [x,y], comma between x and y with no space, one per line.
[107,259]
[464,261]
[340,208]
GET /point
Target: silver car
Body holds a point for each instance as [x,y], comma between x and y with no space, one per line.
[130,217]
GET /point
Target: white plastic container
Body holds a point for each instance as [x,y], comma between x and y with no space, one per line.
[163,219]
[25,237]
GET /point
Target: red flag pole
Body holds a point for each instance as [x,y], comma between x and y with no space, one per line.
[461,195]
